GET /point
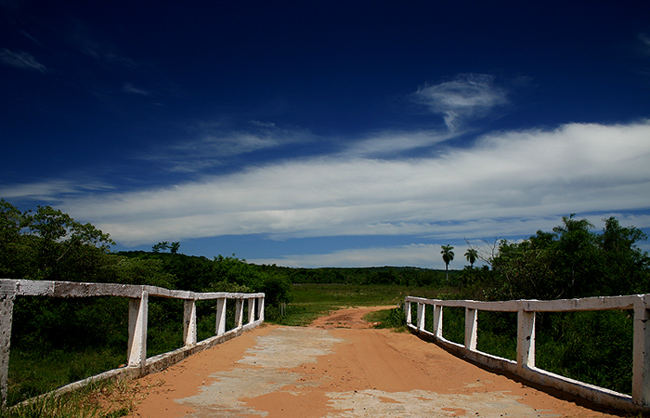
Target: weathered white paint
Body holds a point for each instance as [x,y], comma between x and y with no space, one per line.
[524,366]
[6,316]
[437,321]
[251,310]
[137,362]
[221,316]
[407,309]
[420,315]
[260,308]
[641,355]
[189,322]
[82,289]
[599,303]
[239,313]
[471,328]
[526,339]
[138,312]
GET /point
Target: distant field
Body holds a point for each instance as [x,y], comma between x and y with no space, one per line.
[310,300]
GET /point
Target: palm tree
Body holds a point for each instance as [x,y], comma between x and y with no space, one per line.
[471,255]
[447,255]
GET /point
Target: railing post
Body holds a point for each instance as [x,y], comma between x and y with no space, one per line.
[407,309]
[138,312]
[641,354]
[221,316]
[7,297]
[437,321]
[260,308]
[251,310]
[471,324]
[239,312]
[420,318]
[189,322]
[525,339]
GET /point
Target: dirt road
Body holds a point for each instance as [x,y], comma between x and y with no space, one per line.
[338,367]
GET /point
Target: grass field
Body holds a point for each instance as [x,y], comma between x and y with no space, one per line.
[313,300]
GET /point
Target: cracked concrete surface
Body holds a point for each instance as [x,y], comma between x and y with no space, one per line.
[329,371]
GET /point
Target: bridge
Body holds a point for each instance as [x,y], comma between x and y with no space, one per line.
[340,365]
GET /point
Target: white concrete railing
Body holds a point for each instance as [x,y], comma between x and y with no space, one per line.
[137,362]
[524,365]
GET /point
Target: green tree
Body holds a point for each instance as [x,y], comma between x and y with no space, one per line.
[471,255]
[174,246]
[161,246]
[572,261]
[447,256]
[622,260]
[49,244]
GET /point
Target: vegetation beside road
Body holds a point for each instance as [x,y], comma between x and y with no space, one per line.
[571,261]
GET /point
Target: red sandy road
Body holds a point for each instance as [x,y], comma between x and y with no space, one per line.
[357,371]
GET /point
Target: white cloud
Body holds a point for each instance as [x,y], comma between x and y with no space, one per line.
[53,190]
[645,41]
[213,144]
[414,255]
[531,177]
[390,143]
[466,97]
[131,89]
[22,60]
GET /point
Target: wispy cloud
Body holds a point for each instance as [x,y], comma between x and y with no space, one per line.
[385,144]
[131,89]
[534,176]
[31,37]
[415,255]
[97,46]
[53,190]
[22,60]
[210,144]
[405,255]
[645,42]
[466,97]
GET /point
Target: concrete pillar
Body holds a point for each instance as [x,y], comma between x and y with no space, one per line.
[525,339]
[189,322]
[471,328]
[437,320]
[6,319]
[239,313]
[641,356]
[251,310]
[420,315]
[221,316]
[260,308]
[138,312]
[407,309]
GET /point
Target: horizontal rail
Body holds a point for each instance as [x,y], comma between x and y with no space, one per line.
[524,366]
[65,289]
[599,303]
[137,362]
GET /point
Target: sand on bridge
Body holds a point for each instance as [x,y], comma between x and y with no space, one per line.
[339,366]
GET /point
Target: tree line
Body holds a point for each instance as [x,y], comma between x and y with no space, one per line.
[573,260]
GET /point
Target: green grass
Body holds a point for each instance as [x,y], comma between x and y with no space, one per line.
[106,399]
[312,300]
[595,347]
[388,318]
[32,373]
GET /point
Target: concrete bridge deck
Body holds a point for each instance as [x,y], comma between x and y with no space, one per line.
[339,366]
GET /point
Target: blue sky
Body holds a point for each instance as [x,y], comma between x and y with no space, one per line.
[327,133]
